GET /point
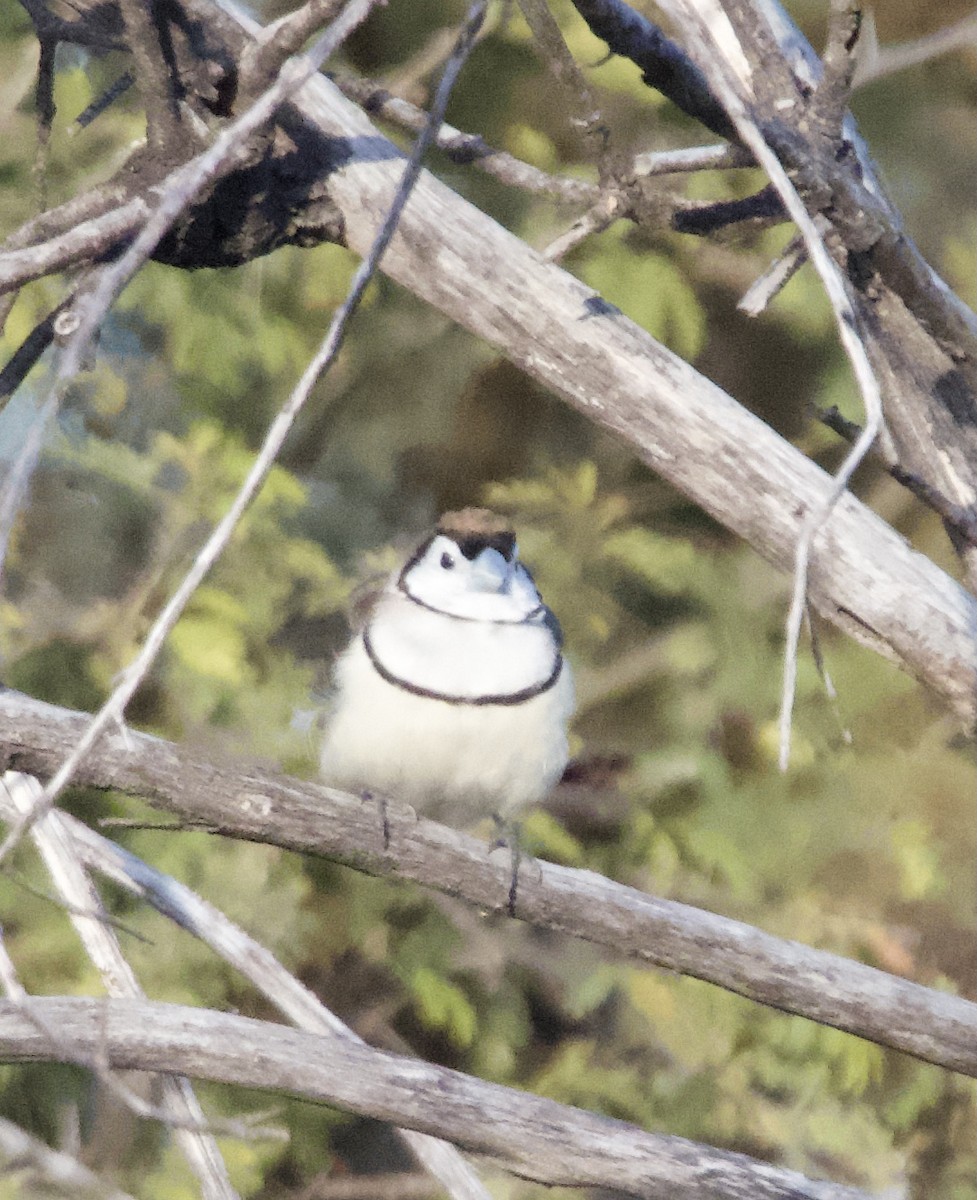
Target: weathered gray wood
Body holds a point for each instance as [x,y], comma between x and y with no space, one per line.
[533,1137]
[864,577]
[258,805]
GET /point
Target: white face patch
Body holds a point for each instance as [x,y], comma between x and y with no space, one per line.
[488,587]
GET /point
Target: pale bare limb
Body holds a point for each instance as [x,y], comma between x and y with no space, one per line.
[601,216]
[464,148]
[696,158]
[880,61]
[774,279]
[87,239]
[532,1137]
[187,181]
[710,31]
[256,804]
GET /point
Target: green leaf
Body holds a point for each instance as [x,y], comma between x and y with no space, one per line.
[443,1006]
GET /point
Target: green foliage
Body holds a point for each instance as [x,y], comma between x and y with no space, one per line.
[443,1006]
[649,288]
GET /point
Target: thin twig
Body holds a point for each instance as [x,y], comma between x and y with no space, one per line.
[114,708]
[27,354]
[549,40]
[775,278]
[94,110]
[958,517]
[709,24]
[844,732]
[48,1170]
[179,189]
[465,148]
[283,38]
[595,220]
[694,158]
[179,1106]
[881,61]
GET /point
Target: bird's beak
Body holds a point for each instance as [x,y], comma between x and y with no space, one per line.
[491,572]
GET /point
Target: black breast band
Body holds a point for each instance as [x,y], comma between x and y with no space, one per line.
[506,698]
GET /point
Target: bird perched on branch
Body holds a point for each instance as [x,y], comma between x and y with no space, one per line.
[454,695]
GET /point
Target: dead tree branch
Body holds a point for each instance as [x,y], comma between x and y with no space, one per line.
[259,805]
[532,1137]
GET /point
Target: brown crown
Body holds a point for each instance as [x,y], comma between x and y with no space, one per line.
[475,528]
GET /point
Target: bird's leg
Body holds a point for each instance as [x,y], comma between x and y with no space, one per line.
[381,802]
[507,834]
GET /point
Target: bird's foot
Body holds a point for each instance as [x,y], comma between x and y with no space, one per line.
[507,835]
[382,813]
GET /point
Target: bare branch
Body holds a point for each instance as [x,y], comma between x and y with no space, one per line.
[465,148]
[254,962]
[179,1105]
[531,1136]
[881,61]
[90,311]
[390,1186]
[838,62]
[864,577]
[959,518]
[259,805]
[153,79]
[549,41]
[709,29]
[774,279]
[26,356]
[87,240]
[48,1169]
[182,185]
[601,216]
[283,38]
[696,158]
[664,65]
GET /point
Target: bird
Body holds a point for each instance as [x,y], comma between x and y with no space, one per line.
[453,695]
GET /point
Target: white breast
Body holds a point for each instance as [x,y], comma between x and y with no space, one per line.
[461,659]
[458,762]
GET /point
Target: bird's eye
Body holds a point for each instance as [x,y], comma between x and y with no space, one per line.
[447,561]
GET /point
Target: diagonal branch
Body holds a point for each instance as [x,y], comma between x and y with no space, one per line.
[531,1136]
[242,952]
[53,1170]
[258,805]
[664,65]
[179,1103]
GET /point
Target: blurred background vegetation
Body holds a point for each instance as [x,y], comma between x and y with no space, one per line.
[674,628]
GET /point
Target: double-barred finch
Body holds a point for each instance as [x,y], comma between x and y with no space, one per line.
[454,696]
